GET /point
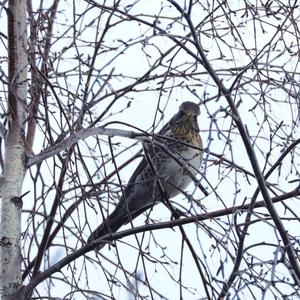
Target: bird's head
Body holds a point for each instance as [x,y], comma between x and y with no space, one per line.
[185,121]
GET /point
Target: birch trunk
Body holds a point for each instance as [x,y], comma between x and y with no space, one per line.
[13,173]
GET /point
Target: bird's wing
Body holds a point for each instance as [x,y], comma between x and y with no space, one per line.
[141,166]
[151,149]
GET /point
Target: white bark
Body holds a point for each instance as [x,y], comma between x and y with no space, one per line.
[13,173]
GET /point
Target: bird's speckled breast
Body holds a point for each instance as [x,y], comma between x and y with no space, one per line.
[175,174]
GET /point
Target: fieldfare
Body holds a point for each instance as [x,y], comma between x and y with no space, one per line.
[171,160]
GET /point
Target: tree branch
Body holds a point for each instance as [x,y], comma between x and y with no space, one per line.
[163,225]
[81,135]
[247,143]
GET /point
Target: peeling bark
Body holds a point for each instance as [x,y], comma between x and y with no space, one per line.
[13,173]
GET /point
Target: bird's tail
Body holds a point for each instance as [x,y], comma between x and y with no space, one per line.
[111,224]
[122,215]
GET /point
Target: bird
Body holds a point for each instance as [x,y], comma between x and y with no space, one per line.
[169,163]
